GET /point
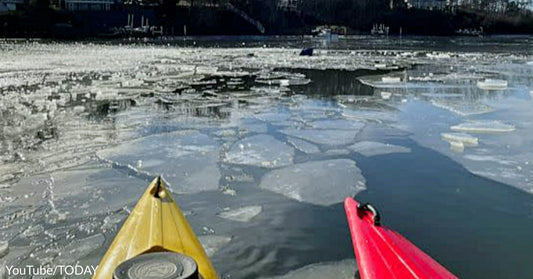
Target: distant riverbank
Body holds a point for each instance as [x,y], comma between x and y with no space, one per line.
[198,21]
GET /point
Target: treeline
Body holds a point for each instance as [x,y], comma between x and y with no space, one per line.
[279,17]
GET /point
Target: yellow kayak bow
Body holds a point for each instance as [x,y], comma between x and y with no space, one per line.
[156,224]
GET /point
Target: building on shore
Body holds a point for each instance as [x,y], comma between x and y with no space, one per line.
[83,5]
[496,6]
[10,5]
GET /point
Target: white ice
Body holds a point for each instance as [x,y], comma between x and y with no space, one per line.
[371,148]
[242,214]
[338,124]
[187,159]
[462,107]
[320,182]
[483,126]
[303,145]
[260,150]
[460,137]
[327,137]
[213,243]
[80,248]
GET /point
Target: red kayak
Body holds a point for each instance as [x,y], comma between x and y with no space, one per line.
[383,253]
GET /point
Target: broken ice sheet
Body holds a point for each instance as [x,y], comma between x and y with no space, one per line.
[187,159]
[243,214]
[80,248]
[329,137]
[260,150]
[462,107]
[371,148]
[338,124]
[484,126]
[213,243]
[321,182]
[303,145]
[465,138]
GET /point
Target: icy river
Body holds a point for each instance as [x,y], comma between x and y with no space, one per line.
[261,146]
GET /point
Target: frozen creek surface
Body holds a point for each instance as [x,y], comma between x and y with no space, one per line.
[260,150]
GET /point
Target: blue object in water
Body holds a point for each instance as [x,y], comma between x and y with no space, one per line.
[307,52]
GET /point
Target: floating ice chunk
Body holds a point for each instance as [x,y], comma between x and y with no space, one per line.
[227,190]
[489,158]
[226,133]
[371,148]
[243,177]
[484,126]
[340,270]
[462,107]
[187,159]
[386,95]
[337,152]
[370,115]
[338,124]
[303,146]
[457,146]
[243,214]
[260,150]
[253,128]
[492,84]
[391,79]
[438,55]
[4,248]
[466,139]
[273,117]
[322,182]
[78,109]
[33,230]
[329,137]
[213,243]
[111,221]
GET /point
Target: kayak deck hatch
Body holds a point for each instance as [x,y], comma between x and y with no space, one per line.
[156,224]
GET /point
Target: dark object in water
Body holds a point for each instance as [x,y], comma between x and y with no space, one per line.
[307,52]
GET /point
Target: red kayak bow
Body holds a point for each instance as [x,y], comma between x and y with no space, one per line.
[383,253]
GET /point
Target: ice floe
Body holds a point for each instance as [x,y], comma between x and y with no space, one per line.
[462,107]
[187,159]
[213,243]
[460,137]
[243,214]
[483,126]
[321,182]
[260,150]
[80,248]
[371,148]
[326,137]
[492,84]
[303,146]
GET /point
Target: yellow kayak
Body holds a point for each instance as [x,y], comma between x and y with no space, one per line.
[155,225]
